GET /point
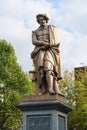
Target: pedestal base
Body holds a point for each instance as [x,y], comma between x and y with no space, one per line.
[44,112]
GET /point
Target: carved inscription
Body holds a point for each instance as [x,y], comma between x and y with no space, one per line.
[39,123]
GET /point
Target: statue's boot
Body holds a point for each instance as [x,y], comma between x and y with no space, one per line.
[56,88]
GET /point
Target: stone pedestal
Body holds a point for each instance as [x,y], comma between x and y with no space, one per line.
[45,112]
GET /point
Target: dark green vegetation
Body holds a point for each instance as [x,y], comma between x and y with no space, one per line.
[14,84]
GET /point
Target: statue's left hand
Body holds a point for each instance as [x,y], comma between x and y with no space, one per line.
[47,46]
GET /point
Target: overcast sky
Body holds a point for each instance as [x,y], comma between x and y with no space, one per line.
[18,19]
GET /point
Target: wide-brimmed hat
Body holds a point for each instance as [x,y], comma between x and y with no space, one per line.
[43,15]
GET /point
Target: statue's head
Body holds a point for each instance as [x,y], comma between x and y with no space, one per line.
[42,15]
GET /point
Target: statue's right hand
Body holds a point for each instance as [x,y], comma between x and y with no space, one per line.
[45,40]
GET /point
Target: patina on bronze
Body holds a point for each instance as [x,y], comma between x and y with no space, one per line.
[46,57]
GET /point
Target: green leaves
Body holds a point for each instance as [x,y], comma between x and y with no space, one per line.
[15,85]
[75,91]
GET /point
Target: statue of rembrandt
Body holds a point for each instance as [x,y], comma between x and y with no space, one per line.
[46,57]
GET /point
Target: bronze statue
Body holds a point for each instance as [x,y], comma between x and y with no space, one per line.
[46,57]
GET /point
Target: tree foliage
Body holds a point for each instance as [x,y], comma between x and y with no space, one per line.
[14,84]
[76,94]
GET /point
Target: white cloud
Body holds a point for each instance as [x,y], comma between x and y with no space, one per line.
[72,19]
[73,15]
[17,20]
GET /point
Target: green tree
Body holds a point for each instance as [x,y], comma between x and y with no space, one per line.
[76,95]
[14,84]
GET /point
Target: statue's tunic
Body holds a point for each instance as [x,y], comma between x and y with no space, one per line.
[46,59]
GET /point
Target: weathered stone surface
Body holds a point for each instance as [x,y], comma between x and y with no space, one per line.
[46,57]
[45,98]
